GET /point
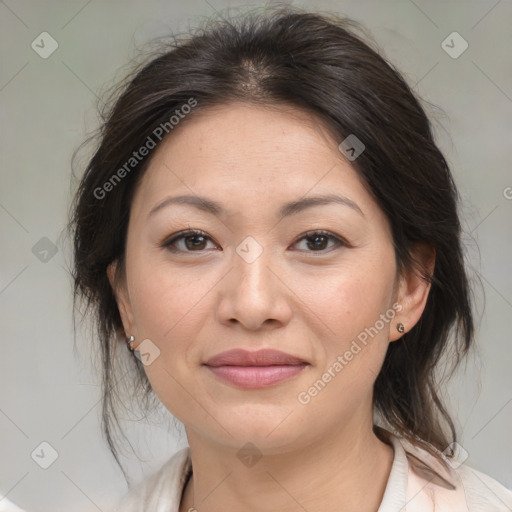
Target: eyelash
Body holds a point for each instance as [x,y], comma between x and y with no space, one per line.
[197,232]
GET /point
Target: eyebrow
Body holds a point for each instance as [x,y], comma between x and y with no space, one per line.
[291,208]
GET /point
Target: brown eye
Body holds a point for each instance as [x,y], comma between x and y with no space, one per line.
[197,241]
[318,241]
[188,241]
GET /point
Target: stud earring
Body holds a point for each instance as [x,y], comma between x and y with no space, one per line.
[400,327]
[129,341]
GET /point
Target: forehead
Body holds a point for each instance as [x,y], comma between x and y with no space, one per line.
[238,151]
[237,131]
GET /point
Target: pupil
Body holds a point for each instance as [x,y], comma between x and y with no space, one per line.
[317,242]
[196,243]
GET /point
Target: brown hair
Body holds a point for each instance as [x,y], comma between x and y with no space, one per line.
[317,63]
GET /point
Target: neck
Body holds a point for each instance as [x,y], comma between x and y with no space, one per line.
[347,472]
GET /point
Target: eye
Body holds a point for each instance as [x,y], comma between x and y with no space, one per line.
[195,240]
[317,241]
[192,240]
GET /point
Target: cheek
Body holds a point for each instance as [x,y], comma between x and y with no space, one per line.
[351,302]
[165,300]
[166,307]
[354,342]
[348,298]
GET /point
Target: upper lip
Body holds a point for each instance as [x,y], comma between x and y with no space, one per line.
[263,357]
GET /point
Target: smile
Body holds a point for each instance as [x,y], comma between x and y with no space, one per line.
[249,369]
[256,376]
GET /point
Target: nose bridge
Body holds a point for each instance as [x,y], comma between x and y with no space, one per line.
[254,279]
[253,294]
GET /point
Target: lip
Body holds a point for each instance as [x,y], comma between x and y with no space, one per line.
[263,357]
[255,369]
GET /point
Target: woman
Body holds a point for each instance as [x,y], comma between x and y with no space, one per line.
[269,225]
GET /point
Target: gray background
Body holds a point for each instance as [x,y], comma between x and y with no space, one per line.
[49,393]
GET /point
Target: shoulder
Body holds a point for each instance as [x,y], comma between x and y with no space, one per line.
[162,490]
[483,492]
[452,486]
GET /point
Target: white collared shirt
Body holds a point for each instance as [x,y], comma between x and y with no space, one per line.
[418,482]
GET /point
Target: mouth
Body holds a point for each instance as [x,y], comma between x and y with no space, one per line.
[249,369]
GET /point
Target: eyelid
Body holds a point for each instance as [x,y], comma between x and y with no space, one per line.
[340,241]
[167,243]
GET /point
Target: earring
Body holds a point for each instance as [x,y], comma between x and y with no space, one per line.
[400,327]
[129,341]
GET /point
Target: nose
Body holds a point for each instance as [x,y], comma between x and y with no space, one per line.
[254,294]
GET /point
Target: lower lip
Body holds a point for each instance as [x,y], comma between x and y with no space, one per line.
[256,376]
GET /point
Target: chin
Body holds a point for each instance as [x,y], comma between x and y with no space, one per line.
[272,429]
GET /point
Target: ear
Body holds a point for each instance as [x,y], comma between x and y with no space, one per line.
[122,299]
[413,289]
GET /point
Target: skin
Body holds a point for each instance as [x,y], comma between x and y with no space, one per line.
[307,301]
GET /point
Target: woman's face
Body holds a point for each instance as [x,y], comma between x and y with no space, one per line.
[254,280]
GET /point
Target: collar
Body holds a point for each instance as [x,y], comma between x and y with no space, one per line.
[411,465]
[414,470]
